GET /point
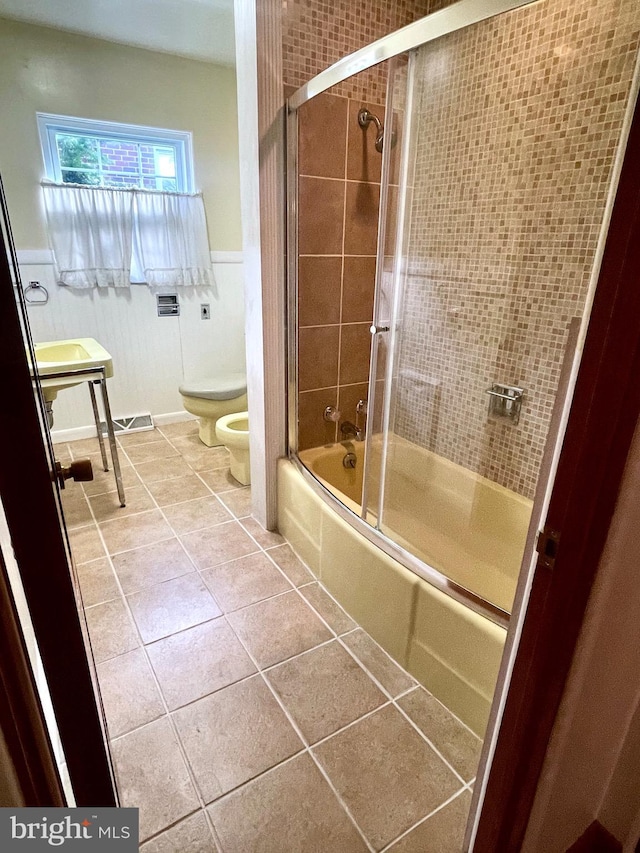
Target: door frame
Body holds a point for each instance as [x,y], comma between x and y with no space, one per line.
[39,541]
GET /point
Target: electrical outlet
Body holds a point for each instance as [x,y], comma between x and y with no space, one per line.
[205,311]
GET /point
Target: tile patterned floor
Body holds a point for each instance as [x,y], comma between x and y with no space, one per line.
[247,712]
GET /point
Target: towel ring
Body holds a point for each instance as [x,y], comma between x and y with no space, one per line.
[36,287]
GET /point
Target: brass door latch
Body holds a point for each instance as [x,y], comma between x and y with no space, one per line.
[80,470]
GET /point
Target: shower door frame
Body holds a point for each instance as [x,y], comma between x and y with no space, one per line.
[600,414]
[459,16]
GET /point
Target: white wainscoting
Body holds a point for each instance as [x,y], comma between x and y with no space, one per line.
[151,355]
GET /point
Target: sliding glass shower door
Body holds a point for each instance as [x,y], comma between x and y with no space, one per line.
[487,242]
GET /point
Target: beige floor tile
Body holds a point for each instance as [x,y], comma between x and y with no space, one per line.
[198,661]
[97,582]
[245,581]
[178,489]
[293,567]
[459,746]
[325,689]
[443,832]
[291,809]
[264,538]
[86,544]
[110,630]
[207,461]
[278,628]
[160,449]
[191,448]
[162,469]
[107,507]
[195,515]
[191,835]
[62,451]
[172,606]
[386,773]
[332,613]
[86,447]
[75,507]
[105,481]
[233,735]
[218,544]
[153,776]
[134,531]
[128,439]
[220,480]
[129,692]
[394,679]
[152,564]
[180,428]
[238,501]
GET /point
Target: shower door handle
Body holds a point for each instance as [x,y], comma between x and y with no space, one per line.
[375,330]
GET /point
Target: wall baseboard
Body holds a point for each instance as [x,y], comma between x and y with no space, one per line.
[596,839]
[60,436]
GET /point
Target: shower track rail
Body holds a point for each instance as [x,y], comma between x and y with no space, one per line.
[441,23]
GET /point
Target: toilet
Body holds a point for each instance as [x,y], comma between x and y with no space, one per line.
[233,432]
[212,398]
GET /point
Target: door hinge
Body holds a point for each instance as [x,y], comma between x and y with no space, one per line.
[547,546]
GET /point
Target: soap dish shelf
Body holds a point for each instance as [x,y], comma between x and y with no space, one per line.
[505,402]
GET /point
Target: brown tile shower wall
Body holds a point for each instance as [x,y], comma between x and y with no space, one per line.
[338,198]
[522,116]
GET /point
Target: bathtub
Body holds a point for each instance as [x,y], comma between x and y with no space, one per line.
[454,651]
[463,525]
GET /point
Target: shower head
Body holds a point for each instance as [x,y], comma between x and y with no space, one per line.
[365,117]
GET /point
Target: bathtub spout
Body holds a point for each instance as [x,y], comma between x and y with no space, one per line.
[349,430]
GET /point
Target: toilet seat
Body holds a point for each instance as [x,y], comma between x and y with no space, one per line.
[224,386]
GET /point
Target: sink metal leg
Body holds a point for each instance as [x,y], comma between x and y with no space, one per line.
[112,441]
[96,417]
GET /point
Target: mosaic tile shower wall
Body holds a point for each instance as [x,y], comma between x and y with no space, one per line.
[317,33]
[520,120]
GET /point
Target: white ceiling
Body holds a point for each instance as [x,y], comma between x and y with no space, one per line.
[198,29]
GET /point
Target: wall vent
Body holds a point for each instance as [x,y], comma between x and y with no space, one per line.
[131,423]
[168,305]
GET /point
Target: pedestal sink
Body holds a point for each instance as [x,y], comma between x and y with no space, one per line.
[59,360]
[72,354]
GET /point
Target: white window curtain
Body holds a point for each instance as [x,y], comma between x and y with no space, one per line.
[91,234]
[170,243]
[102,237]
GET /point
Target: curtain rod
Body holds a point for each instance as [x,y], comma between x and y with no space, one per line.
[46,183]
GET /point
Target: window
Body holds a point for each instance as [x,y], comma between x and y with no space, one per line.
[106,154]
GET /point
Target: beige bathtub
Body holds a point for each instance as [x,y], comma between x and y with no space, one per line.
[450,649]
[470,529]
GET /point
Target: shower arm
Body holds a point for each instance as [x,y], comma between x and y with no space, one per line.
[364,120]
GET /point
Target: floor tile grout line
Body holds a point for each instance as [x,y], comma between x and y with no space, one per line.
[263,671]
[389,846]
[296,728]
[175,823]
[168,714]
[171,721]
[431,744]
[303,739]
[415,686]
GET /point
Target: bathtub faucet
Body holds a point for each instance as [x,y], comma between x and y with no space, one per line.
[349,430]
[357,430]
